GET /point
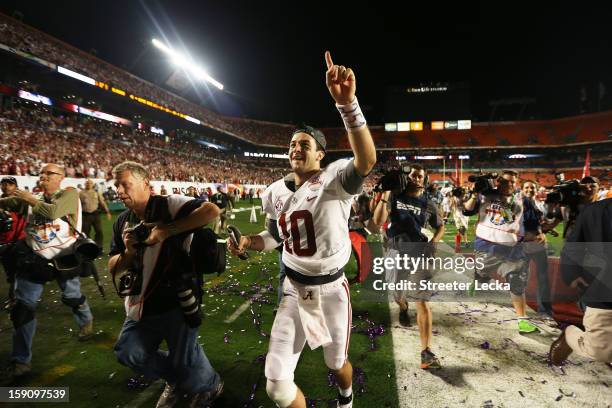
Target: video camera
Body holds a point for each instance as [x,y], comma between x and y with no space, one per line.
[458,192]
[483,182]
[140,232]
[567,193]
[395,180]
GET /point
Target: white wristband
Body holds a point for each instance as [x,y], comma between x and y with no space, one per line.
[269,242]
[351,115]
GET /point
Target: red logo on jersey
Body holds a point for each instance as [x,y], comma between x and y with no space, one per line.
[278,205]
[315,183]
[311,198]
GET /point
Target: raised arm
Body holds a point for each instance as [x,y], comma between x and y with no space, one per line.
[342,85]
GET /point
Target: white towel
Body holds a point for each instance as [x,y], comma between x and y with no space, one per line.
[313,321]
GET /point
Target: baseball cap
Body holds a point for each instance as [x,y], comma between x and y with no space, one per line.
[589,179]
[316,134]
[9,179]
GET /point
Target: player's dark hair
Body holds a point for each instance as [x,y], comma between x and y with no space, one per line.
[510,173]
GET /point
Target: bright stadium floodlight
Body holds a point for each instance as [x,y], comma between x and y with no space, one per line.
[184,63]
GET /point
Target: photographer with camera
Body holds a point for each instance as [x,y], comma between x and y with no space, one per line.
[408,210]
[567,200]
[499,231]
[12,229]
[150,254]
[51,235]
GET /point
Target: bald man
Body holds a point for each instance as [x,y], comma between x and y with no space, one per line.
[49,236]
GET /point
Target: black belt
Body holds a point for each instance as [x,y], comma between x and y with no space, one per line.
[313,280]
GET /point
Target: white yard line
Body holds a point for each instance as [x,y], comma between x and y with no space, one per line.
[241,309]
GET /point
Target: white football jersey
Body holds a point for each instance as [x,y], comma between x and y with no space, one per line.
[313,221]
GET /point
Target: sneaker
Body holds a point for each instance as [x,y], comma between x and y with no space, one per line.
[15,371]
[559,350]
[345,402]
[168,397]
[404,318]
[86,331]
[429,360]
[204,399]
[525,326]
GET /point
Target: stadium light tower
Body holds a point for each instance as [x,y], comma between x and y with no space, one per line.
[183,62]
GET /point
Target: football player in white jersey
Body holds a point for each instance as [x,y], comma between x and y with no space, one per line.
[310,209]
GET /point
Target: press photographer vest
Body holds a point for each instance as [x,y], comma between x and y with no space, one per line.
[52,238]
[500,219]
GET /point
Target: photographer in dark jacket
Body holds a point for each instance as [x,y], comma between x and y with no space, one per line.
[408,211]
[586,264]
[8,237]
[156,308]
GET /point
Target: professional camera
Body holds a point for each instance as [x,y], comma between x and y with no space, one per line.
[483,182]
[6,221]
[130,281]
[395,180]
[391,180]
[458,192]
[566,193]
[140,232]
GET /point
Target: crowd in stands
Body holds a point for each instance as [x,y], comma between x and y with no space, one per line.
[563,131]
[88,147]
[24,38]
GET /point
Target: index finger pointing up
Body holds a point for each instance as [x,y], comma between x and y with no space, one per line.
[328,60]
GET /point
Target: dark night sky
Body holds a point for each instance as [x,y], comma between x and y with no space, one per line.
[270,55]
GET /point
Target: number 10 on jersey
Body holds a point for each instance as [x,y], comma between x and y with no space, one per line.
[295,219]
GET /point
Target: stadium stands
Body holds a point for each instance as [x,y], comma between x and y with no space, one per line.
[90,148]
[576,130]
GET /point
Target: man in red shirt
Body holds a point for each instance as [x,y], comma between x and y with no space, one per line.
[11,235]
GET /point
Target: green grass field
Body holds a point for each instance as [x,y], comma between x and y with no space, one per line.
[235,349]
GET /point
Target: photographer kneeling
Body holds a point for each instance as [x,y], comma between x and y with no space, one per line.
[586,265]
[408,211]
[156,275]
[50,237]
[499,233]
